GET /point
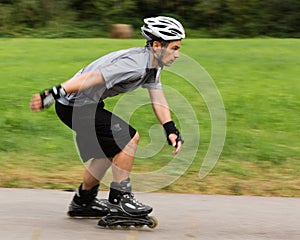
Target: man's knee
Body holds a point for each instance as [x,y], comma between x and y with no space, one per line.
[131,147]
[136,138]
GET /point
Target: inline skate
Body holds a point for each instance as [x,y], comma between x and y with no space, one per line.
[125,210]
[86,205]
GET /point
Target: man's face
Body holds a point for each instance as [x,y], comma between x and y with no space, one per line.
[170,53]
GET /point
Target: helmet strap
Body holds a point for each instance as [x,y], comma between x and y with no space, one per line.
[159,58]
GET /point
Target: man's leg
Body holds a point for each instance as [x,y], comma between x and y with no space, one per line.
[121,166]
[95,172]
[122,163]
[85,202]
[120,192]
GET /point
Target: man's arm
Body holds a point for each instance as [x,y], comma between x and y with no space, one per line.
[47,97]
[83,81]
[163,114]
[160,105]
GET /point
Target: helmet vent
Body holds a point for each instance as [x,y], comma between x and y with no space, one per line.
[159,26]
[168,33]
[175,30]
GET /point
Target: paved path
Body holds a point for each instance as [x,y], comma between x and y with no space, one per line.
[40,214]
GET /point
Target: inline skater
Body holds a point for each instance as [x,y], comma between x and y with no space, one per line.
[103,139]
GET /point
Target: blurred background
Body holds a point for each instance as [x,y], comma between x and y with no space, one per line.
[202,18]
[251,49]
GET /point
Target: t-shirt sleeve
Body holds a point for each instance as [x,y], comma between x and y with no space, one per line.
[153,85]
[121,69]
[153,80]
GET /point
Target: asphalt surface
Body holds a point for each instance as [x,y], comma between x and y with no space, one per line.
[41,214]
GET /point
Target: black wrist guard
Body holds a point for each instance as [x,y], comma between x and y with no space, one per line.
[171,128]
[50,95]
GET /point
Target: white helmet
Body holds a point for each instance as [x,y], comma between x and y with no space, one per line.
[165,28]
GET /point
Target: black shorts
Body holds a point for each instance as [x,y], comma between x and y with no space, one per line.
[99,133]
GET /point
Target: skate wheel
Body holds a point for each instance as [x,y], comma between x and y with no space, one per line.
[70,216]
[125,227]
[112,227]
[139,227]
[154,222]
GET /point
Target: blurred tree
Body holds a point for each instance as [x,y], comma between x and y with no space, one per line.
[281,17]
[27,13]
[219,18]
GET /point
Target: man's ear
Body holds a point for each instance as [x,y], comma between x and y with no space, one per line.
[156,45]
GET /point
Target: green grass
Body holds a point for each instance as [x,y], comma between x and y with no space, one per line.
[257,78]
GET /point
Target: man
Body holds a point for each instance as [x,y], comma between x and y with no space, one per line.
[102,138]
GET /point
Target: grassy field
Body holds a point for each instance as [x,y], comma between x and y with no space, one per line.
[258,80]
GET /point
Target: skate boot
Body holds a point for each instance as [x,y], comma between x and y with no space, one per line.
[125,210]
[86,205]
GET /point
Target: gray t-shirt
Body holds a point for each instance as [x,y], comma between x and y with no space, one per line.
[123,71]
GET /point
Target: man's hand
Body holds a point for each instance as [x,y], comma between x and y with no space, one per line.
[46,98]
[36,103]
[173,136]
